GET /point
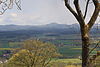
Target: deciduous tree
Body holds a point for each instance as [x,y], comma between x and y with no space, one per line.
[34,53]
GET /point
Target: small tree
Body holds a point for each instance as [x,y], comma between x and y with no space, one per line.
[34,53]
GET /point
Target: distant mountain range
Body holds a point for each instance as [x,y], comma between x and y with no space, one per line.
[53,27]
[10,33]
[29,27]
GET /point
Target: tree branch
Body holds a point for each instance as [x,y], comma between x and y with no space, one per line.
[94,47]
[87,3]
[18,4]
[95,13]
[74,13]
[70,9]
[76,3]
[47,62]
[8,4]
[81,18]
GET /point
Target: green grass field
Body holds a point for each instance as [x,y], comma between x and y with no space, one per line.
[68,60]
[67,51]
[70,51]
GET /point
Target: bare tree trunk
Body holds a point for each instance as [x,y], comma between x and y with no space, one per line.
[85,45]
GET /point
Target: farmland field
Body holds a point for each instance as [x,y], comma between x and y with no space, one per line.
[68,45]
[70,51]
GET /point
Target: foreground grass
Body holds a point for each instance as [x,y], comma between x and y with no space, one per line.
[58,63]
[68,61]
[55,63]
[73,66]
[7,48]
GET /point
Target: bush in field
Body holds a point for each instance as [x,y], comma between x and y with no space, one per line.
[34,53]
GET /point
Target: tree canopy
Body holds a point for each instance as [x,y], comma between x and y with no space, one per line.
[34,53]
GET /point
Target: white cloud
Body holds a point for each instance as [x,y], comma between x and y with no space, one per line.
[13,14]
[1,19]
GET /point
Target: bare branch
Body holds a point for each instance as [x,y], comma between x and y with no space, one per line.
[79,12]
[18,4]
[70,8]
[94,47]
[87,3]
[72,11]
[8,4]
[95,13]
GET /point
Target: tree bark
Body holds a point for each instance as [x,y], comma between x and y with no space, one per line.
[85,45]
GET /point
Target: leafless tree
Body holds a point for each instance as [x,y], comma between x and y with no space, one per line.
[85,27]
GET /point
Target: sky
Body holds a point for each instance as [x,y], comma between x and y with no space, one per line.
[38,12]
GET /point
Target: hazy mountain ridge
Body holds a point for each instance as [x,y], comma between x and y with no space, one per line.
[16,33]
[53,27]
